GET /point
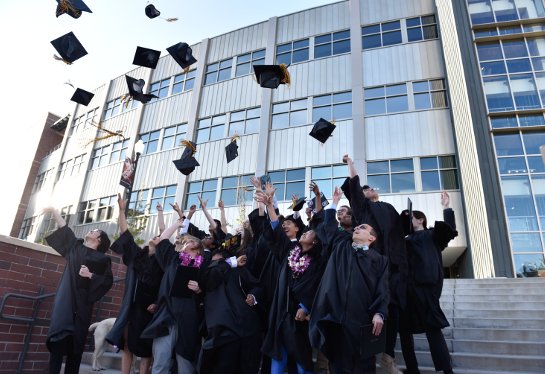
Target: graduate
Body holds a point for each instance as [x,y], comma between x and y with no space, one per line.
[353,293]
[142,281]
[424,314]
[87,277]
[384,218]
[301,268]
[175,324]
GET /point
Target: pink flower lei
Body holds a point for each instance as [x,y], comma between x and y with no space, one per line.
[298,263]
[187,260]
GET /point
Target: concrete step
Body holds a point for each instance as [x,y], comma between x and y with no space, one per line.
[498,347]
[514,281]
[87,369]
[499,313]
[109,360]
[501,323]
[496,334]
[485,291]
[489,298]
[499,305]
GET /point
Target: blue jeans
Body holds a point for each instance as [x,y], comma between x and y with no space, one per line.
[278,366]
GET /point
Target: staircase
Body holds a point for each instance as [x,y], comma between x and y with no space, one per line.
[497,326]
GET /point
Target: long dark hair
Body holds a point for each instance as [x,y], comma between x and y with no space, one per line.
[247,240]
[419,215]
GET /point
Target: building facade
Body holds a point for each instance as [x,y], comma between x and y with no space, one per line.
[426,96]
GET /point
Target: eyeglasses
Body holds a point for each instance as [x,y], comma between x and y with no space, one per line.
[372,188]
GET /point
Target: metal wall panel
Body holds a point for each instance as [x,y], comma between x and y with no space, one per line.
[294,148]
[404,62]
[230,95]
[316,77]
[166,112]
[319,20]
[238,42]
[157,169]
[102,182]
[411,134]
[373,11]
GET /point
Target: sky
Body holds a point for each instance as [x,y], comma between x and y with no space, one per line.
[33,83]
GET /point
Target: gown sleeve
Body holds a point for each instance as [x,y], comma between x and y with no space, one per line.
[62,240]
[100,284]
[445,231]
[126,247]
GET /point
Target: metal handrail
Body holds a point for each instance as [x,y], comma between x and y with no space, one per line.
[21,296]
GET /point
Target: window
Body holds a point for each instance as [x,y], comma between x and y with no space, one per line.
[82,121]
[205,188]
[522,120]
[482,11]
[119,150]
[246,61]
[100,156]
[173,136]
[421,28]
[212,128]
[244,122]
[218,72]
[429,94]
[70,167]
[162,195]
[27,227]
[76,167]
[138,204]
[332,44]
[386,99]
[391,176]
[86,211]
[289,114]
[439,173]
[292,52]
[288,183]
[237,190]
[381,35]
[106,208]
[41,180]
[329,177]
[151,141]
[184,82]
[330,107]
[160,89]
[114,107]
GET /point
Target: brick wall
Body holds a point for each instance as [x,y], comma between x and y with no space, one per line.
[26,268]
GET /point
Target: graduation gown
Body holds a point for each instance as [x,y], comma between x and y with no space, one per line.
[424,249]
[354,288]
[284,330]
[126,247]
[179,311]
[73,305]
[384,218]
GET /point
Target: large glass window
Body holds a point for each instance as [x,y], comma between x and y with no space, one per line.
[160,89]
[106,207]
[391,176]
[288,183]
[386,99]
[244,122]
[329,177]
[205,188]
[138,204]
[429,94]
[489,11]
[289,114]
[236,190]
[183,82]
[332,44]
[381,35]
[119,150]
[337,106]
[211,128]
[218,72]
[421,28]
[151,141]
[173,136]
[164,196]
[292,52]
[439,173]
[246,61]
[27,227]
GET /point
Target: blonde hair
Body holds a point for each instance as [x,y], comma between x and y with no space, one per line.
[191,238]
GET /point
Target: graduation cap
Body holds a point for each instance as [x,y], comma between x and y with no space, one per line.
[69,48]
[136,87]
[271,76]
[322,130]
[312,203]
[231,150]
[231,243]
[71,7]
[82,97]
[146,57]
[182,54]
[187,163]
[297,205]
[151,11]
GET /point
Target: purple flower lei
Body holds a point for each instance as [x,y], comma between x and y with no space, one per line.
[298,263]
[187,260]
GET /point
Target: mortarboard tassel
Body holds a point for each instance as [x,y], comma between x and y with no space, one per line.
[186,143]
[125,99]
[173,19]
[286,78]
[66,7]
[61,59]
[234,138]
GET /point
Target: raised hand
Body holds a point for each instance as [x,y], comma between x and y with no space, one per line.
[255,182]
[122,203]
[203,202]
[175,206]
[261,197]
[346,159]
[221,205]
[159,207]
[49,209]
[192,209]
[270,189]
[445,200]
[314,188]
[337,194]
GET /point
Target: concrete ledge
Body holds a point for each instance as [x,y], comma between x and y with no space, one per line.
[26,244]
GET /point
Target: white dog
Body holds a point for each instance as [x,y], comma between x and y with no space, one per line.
[101,329]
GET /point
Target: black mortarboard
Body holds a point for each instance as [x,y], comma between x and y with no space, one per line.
[82,97]
[71,7]
[297,205]
[231,151]
[69,47]
[146,57]
[322,130]
[271,76]
[182,54]
[187,163]
[312,203]
[136,87]
[151,11]
[231,243]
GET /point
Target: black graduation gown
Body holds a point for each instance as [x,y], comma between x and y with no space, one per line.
[424,249]
[73,305]
[284,330]
[126,247]
[354,288]
[174,310]
[384,218]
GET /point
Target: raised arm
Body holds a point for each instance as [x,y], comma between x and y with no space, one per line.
[351,168]
[314,188]
[160,218]
[171,229]
[122,220]
[358,202]
[209,218]
[444,232]
[223,220]
[56,216]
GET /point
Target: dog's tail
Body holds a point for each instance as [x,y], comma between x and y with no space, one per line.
[93,326]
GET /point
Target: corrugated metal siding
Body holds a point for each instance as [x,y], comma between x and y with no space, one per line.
[316,77]
[238,42]
[169,111]
[373,11]
[157,169]
[233,94]
[102,182]
[293,148]
[167,67]
[411,134]
[124,122]
[312,22]
[402,63]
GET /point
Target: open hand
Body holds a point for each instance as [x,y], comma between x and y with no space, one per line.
[255,182]
[445,199]
[378,322]
[241,260]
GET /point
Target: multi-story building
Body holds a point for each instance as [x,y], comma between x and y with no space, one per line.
[426,96]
